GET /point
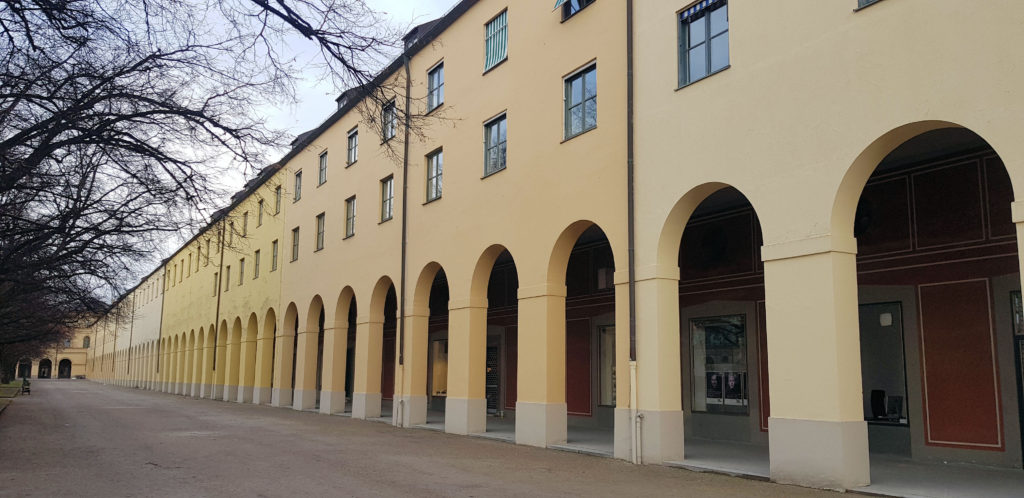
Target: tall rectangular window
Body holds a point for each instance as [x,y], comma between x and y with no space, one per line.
[719,346]
[216,282]
[277,200]
[227,278]
[207,261]
[298,185]
[581,102]
[241,271]
[703,40]
[322,176]
[273,255]
[320,222]
[387,198]
[387,120]
[256,264]
[435,169]
[245,224]
[350,216]
[353,145]
[295,243]
[259,213]
[231,234]
[495,135]
[435,87]
[496,46]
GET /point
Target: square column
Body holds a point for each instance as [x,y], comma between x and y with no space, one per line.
[247,372]
[304,396]
[219,366]
[466,405]
[264,371]
[206,388]
[817,433]
[332,394]
[366,384]
[231,371]
[541,412]
[658,396]
[281,394]
[411,376]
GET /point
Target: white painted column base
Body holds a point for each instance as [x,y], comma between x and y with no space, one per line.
[244,394]
[332,402]
[196,390]
[661,435]
[217,392]
[832,455]
[541,424]
[411,409]
[261,396]
[281,397]
[205,391]
[304,399]
[230,392]
[366,405]
[465,415]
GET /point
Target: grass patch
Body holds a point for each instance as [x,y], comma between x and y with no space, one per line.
[9,392]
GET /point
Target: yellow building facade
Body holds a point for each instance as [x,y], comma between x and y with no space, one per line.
[632,228]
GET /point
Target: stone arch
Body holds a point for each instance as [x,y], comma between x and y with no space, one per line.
[672,229]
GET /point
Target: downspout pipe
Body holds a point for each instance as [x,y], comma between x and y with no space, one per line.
[400,413]
[220,278]
[637,417]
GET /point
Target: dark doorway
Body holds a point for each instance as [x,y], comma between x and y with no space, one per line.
[24,369]
[64,369]
[45,368]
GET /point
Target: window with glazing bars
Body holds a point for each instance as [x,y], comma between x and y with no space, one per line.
[295,243]
[322,177]
[703,40]
[497,40]
[435,170]
[277,200]
[298,185]
[273,255]
[581,102]
[571,7]
[435,87]
[495,135]
[320,222]
[387,119]
[387,198]
[350,216]
[256,264]
[241,271]
[259,213]
[353,145]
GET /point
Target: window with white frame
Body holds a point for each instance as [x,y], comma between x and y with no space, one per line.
[495,137]
[388,118]
[295,243]
[353,145]
[259,213]
[298,186]
[435,87]
[241,271]
[703,40]
[320,222]
[273,255]
[245,224]
[387,198]
[581,102]
[277,200]
[435,170]
[350,216]
[322,174]
[227,278]
[496,45]
[256,264]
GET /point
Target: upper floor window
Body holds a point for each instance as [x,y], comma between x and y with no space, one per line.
[85,342]
[67,343]
[273,255]
[387,119]
[387,198]
[259,213]
[496,45]
[256,264]
[353,145]
[435,168]
[245,224]
[216,282]
[207,260]
[295,243]
[321,221]
[495,134]
[298,185]
[571,7]
[241,271]
[277,200]
[322,176]
[227,278]
[581,102]
[703,40]
[350,216]
[864,3]
[435,87]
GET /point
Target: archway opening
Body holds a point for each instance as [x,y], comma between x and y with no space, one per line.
[590,343]
[389,348]
[502,360]
[940,313]
[24,369]
[350,353]
[437,350]
[319,356]
[45,369]
[64,369]
[723,358]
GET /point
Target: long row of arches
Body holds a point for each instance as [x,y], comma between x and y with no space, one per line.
[929,319]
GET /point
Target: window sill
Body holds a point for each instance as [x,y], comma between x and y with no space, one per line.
[858,9]
[296,200]
[694,82]
[574,14]
[435,199]
[584,132]
[321,184]
[385,220]
[351,163]
[348,237]
[317,250]
[436,107]
[496,64]
[492,173]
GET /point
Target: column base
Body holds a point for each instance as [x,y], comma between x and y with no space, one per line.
[366,405]
[332,402]
[541,424]
[281,397]
[205,391]
[832,455]
[261,396]
[411,409]
[465,415]
[196,390]
[230,392]
[244,394]
[304,399]
[217,391]
[661,435]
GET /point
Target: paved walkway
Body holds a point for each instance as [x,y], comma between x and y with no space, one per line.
[80,438]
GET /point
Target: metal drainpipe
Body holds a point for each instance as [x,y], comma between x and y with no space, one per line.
[405,211]
[637,429]
[160,333]
[220,277]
